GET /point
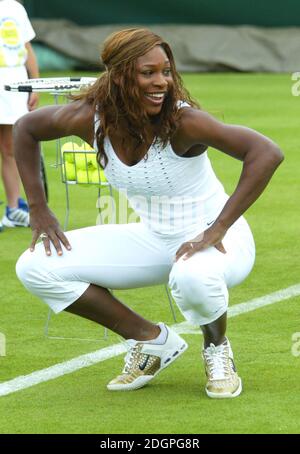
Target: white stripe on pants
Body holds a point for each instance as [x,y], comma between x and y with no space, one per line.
[130,256]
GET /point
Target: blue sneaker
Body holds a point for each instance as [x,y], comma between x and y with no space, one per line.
[15,217]
[23,205]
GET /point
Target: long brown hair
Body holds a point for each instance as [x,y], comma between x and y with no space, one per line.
[115,93]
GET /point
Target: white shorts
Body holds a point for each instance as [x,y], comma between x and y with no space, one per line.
[129,256]
[12,105]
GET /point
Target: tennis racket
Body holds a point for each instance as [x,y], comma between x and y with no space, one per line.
[53,85]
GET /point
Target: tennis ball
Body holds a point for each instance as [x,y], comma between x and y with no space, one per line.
[92,160]
[80,165]
[86,147]
[69,157]
[94,176]
[70,171]
[81,161]
[68,149]
[74,146]
[70,146]
[82,176]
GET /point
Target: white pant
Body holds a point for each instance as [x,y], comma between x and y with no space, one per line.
[129,256]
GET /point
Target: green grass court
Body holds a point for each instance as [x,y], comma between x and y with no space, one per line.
[175,401]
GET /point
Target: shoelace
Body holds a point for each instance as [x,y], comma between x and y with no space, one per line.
[130,356]
[218,361]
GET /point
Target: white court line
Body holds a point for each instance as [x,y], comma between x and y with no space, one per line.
[67,367]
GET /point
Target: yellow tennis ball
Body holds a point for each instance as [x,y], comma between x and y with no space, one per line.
[70,171]
[70,146]
[82,176]
[94,176]
[86,147]
[92,160]
[69,157]
[97,176]
[68,149]
[81,161]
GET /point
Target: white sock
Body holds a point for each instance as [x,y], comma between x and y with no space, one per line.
[162,337]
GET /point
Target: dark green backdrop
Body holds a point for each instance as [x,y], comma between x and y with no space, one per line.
[267,13]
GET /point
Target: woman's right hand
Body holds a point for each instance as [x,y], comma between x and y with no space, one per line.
[47,123]
[45,226]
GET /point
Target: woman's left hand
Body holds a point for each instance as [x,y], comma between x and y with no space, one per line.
[211,237]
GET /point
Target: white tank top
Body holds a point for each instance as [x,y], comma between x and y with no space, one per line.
[171,194]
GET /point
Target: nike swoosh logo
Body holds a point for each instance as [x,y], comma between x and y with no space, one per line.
[208,223]
[144,364]
[232,364]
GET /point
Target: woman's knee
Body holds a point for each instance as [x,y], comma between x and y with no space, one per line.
[33,270]
[197,282]
[200,291]
[26,269]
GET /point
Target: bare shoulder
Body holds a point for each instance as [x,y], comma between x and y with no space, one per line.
[198,127]
[193,120]
[51,122]
[191,131]
[76,117]
[75,111]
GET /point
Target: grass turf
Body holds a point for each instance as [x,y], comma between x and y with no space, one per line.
[175,401]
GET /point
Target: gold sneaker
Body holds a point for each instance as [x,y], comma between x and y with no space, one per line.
[223,380]
[145,360]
